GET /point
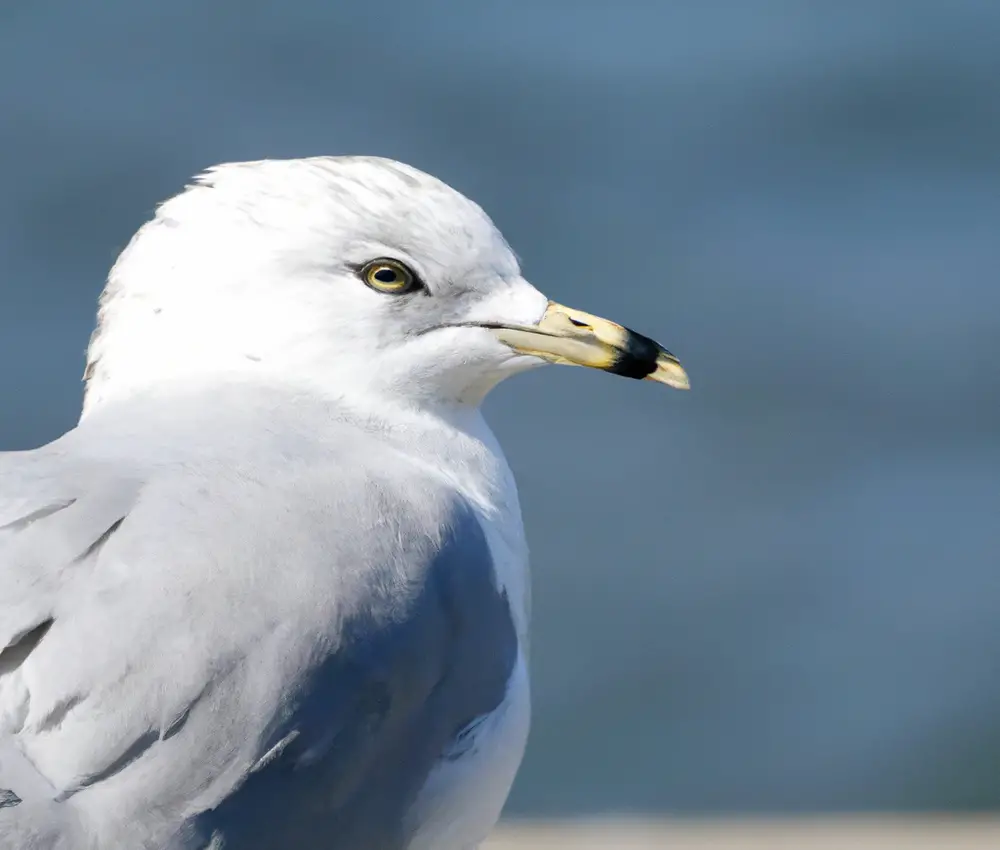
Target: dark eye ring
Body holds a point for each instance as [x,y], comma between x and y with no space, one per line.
[387,275]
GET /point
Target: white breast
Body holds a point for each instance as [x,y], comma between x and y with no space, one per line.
[463,797]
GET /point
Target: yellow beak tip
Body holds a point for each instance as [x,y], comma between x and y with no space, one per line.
[671,373]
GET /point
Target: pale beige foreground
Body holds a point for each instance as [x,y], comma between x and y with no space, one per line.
[876,833]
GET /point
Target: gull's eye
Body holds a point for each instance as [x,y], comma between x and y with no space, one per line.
[391,276]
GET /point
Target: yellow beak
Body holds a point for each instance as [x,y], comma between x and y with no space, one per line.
[568,336]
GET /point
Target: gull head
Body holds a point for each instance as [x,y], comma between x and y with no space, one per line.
[354,276]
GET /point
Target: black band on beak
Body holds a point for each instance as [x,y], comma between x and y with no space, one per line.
[638,358]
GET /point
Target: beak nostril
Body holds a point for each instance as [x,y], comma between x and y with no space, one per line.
[580,324]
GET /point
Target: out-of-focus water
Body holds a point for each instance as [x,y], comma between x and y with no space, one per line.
[780,591]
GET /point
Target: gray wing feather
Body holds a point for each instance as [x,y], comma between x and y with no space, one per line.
[54,516]
[286,661]
[39,548]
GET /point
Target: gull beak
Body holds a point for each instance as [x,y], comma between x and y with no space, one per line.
[568,336]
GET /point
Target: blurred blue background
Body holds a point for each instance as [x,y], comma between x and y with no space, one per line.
[780,592]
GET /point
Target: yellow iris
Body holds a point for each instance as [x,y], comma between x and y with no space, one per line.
[386,275]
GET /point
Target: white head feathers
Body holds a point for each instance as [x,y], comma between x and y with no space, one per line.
[254,272]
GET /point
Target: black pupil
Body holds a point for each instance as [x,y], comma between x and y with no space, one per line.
[387,276]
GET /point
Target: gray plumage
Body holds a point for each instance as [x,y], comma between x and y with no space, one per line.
[363,629]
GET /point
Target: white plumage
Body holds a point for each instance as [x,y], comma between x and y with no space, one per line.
[272,591]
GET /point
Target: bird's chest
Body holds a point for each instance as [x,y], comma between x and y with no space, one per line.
[466,791]
[464,794]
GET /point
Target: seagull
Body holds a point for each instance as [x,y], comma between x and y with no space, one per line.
[272,590]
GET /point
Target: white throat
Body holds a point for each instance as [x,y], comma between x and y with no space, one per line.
[457,444]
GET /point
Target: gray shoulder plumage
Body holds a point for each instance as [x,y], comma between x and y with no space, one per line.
[306,673]
[55,515]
